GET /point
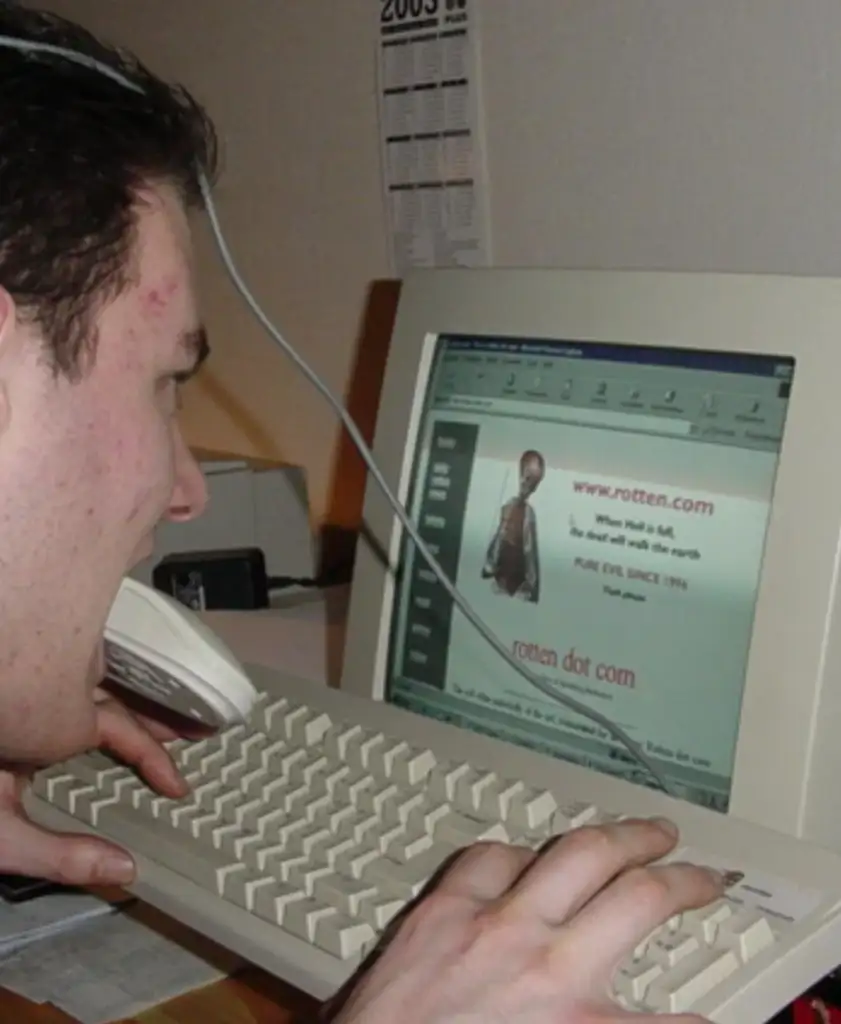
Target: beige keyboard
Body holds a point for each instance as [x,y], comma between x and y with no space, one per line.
[308,829]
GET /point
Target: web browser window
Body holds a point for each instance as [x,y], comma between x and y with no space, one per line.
[603,508]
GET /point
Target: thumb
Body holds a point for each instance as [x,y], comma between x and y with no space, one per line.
[69,859]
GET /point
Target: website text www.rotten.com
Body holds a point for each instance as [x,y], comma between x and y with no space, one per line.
[642,496]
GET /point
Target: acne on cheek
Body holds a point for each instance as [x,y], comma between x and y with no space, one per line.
[156,301]
[156,315]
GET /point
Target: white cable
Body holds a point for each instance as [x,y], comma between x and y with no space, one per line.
[345,418]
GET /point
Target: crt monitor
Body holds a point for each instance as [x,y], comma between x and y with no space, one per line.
[635,480]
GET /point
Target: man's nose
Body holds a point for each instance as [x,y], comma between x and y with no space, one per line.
[189,496]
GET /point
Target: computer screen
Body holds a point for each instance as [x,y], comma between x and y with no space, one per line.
[603,508]
[599,462]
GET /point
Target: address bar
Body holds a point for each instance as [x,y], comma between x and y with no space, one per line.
[571,414]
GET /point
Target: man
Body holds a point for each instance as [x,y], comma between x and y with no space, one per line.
[512,560]
[98,328]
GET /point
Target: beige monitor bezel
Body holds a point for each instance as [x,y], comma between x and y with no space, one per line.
[782,773]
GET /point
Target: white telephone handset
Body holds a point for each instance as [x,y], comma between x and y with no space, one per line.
[158,648]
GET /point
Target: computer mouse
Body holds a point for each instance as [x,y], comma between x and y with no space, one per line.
[160,649]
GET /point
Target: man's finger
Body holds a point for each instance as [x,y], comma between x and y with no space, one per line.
[124,736]
[629,910]
[486,871]
[159,731]
[170,726]
[681,1018]
[68,859]
[571,871]
[163,723]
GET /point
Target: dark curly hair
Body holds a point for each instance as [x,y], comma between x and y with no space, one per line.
[76,151]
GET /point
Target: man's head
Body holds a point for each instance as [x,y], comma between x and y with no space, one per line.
[532,470]
[98,325]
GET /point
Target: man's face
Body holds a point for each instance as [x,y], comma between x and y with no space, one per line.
[531,473]
[89,468]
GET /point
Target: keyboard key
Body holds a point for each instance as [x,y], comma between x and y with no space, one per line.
[669,948]
[355,861]
[747,934]
[272,902]
[461,830]
[407,879]
[676,990]
[707,921]
[379,801]
[305,874]
[273,715]
[444,779]
[573,814]
[405,847]
[306,726]
[383,910]
[471,786]
[302,917]
[530,809]
[634,979]
[368,755]
[341,743]
[405,807]
[341,936]
[414,768]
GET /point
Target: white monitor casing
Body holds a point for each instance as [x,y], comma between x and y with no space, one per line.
[788,755]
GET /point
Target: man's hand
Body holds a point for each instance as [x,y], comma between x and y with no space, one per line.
[27,849]
[510,936]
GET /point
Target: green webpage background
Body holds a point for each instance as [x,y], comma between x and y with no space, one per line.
[650,551]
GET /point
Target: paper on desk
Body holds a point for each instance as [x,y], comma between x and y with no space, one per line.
[33,920]
[117,967]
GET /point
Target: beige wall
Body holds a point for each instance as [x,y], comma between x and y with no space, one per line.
[665,133]
[647,133]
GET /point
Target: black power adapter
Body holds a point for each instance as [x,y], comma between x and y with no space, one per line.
[233,579]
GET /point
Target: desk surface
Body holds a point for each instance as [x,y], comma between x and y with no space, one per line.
[251,997]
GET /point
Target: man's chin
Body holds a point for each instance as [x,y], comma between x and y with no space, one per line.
[146,550]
